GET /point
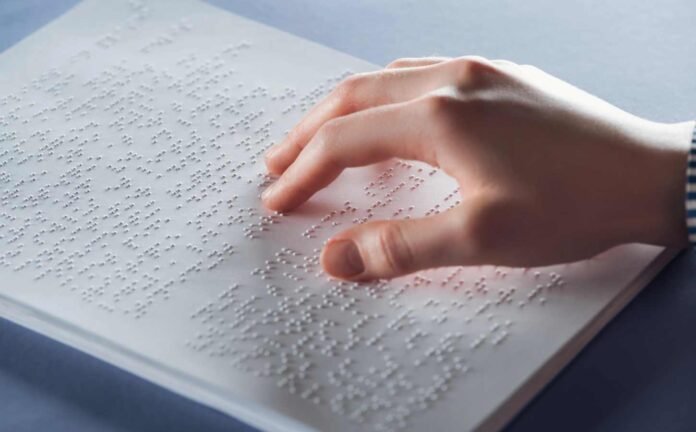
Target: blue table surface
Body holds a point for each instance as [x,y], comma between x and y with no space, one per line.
[639,374]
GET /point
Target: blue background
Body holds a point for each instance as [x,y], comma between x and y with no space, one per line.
[639,374]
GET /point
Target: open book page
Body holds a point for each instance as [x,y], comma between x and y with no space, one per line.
[131,143]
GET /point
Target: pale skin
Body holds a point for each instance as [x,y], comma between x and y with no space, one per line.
[547,173]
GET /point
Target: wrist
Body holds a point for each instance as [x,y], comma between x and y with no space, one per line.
[666,150]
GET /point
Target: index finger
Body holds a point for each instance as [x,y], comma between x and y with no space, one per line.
[358,139]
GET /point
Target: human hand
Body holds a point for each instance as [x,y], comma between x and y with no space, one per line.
[547,172]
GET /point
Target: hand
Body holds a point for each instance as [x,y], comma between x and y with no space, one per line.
[547,172]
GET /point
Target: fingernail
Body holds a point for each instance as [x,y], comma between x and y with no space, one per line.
[268,192]
[342,259]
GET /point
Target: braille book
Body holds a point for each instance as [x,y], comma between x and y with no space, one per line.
[131,143]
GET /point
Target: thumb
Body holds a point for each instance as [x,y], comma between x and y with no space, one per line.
[386,249]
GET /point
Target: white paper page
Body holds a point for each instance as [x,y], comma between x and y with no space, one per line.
[131,136]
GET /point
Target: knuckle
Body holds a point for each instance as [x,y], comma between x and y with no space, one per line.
[324,139]
[295,136]
[503,62]
[328,132]
[347,89]
[400,62]
[473,72]
[351,82]
[394,248]
[533,70]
